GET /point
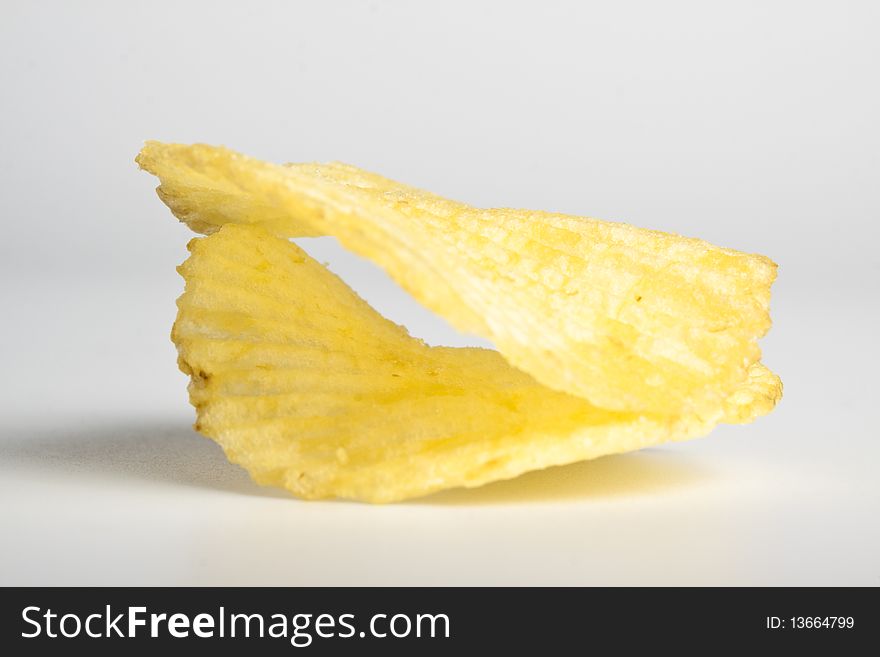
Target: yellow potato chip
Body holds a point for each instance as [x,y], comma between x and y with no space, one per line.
[614,337]
[310,389]
[625,318]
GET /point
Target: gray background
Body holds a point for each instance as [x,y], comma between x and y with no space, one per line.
[751,124]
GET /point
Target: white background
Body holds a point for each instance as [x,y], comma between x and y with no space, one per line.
[752,125]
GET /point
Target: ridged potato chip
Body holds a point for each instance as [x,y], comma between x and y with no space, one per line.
[626,318]
[609,337]
[310,389]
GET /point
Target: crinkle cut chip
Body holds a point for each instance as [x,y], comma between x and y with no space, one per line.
[625,318]
[307,387]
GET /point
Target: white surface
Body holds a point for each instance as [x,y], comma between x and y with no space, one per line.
[754,127]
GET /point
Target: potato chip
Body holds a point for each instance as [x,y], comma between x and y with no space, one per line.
[307,387]
[610,337]
[625,318]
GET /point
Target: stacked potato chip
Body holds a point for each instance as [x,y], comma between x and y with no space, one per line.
[609,337]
